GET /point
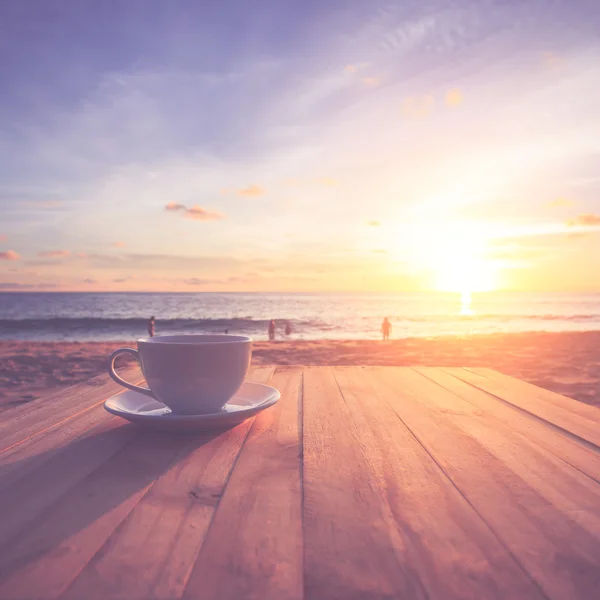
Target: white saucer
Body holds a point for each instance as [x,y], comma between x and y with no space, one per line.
[250,399]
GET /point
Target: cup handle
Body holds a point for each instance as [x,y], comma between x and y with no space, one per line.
[113,374]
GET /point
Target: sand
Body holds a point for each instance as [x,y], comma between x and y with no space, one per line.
[568,363]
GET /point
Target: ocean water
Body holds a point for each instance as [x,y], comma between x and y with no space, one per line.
[124,316]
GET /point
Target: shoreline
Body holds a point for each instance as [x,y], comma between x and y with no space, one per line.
[566,362]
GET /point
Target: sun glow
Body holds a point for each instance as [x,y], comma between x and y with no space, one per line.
[454,253]
[458,270]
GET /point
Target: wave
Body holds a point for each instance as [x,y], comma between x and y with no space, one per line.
[251,324]
[135,324]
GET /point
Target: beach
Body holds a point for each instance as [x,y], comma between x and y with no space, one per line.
[567,363]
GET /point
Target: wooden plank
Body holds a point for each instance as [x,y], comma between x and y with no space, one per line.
[511,390]
[19,460]
[47,412]
[553,478]
[261,373]
[448,546]
[568,450]
[152,552]
[559,554]
[41,560]
[57,409]
[26,497]
[352,547]
[17,412]
[22,456]
[253,548]
[586,411]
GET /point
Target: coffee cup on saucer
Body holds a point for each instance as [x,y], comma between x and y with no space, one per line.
[191,374]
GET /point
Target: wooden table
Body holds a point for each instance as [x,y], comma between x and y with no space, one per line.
[362,482]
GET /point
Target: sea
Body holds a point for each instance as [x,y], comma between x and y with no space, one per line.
[58,316]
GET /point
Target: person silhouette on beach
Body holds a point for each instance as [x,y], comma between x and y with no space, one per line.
[151,324]
[271,330]
[288,329]
[386,328]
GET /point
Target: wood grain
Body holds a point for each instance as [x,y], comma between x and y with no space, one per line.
[21,459]
[562,486]
[586,411]
[448,546]
[27,497]
[352,546]
[27,453]
[253,549]
[563,447]
[64,510]
[535,402]
[371,483]
[560,554]
[43,559]
[23,423]
[152,552]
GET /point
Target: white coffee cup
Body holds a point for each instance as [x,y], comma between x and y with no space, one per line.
[191,374]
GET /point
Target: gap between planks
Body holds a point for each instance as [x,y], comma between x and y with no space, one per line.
[559,418]
[524,494]
[68,535]
[42,418]
[571,449]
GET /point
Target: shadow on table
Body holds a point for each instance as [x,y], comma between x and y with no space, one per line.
[48,498]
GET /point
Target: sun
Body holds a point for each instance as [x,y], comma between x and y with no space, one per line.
[454,253]
[462,270]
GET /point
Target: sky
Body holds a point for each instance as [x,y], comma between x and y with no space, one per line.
[300,146]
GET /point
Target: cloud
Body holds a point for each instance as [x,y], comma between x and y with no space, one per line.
[371,81]
[128,262]
[124,279]
[585,220]
[27,286]
[54,254]
[454,97]
[418,107]
[44,203]
[201,214]
[118,244]
[197,213]
[232,279]
[86,280]
[46,262]
[251,190]
[373,223]
[173,206]
[380,251]
[560,202]
[9,255]
[355,67]
[552,61]
[199,281]
[2,238]
[109,261]
[81,254]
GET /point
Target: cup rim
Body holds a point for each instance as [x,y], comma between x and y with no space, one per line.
[203,339]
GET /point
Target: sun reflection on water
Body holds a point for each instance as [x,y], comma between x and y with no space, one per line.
[465,304]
